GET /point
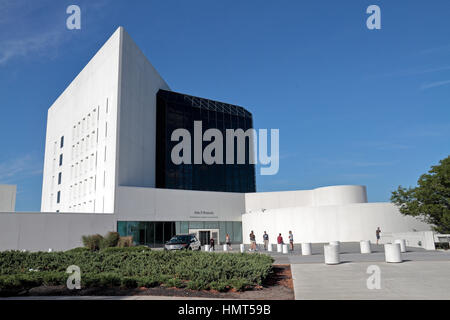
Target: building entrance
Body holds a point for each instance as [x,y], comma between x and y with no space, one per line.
[205,235]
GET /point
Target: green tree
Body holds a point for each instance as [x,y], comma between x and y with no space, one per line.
[430,200]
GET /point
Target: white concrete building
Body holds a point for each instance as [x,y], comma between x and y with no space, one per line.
[101,173]
[101,131]
[7,198]
[337,213]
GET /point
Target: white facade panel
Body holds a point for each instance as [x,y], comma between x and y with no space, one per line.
[43,231]
[7,198]
[79,163]
[316,224]
[333,195]
[150,204]
[139,83]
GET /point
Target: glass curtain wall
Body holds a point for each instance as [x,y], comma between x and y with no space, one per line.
[155,234]
[176,111]
[152,234]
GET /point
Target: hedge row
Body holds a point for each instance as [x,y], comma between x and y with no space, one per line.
[135,267]
[19,282]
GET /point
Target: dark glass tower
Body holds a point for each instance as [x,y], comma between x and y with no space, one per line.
[175,111]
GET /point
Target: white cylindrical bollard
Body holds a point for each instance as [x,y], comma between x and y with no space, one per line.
[392,252]
[279,247]
[285,249]
[269,247]
[402,243]
[331,253]
[306,249]
[225,247]
[365,246]
[207,246]
[336,243]
[242,247]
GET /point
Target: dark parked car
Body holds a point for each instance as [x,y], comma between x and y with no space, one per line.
[180,242]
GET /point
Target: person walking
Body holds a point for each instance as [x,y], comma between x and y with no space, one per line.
[280,239]
[291,240]
[266,240]
[228,241]
[377,233]
[252,241]
[211,243]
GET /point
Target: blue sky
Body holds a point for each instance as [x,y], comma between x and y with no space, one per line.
[353,106]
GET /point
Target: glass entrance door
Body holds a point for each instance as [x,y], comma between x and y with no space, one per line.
[204,237]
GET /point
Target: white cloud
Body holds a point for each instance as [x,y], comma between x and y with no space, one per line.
[353,163]
[434,84]
[36,44]
[29,27]
[19,168]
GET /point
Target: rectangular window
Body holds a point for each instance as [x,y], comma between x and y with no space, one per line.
[61,143]
[60,160]
[58,197]
[59,178]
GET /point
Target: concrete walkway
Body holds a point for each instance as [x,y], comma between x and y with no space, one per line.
[350,252]
[422,275]
[407,280]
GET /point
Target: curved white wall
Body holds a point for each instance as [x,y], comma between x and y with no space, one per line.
[339,195]
[334,195]
[351,222]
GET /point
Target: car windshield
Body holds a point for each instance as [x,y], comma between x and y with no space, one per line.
[179,239]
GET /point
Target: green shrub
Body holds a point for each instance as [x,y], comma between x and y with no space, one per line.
[110,240]
[239,284]
[28,281]
[54,278]
[136,266]
[130,282]
[175,282]
[220,286]
[109,279]
[77,250]
[196,285]
[149,282]
[136,249]
[92,242]
[442,245]
[125,242]
[9,282]
[90,280]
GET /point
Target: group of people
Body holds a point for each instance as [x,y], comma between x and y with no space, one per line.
[227,241]
[266,240]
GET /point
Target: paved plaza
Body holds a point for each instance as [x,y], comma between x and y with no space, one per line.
[399,281]
[422,275]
